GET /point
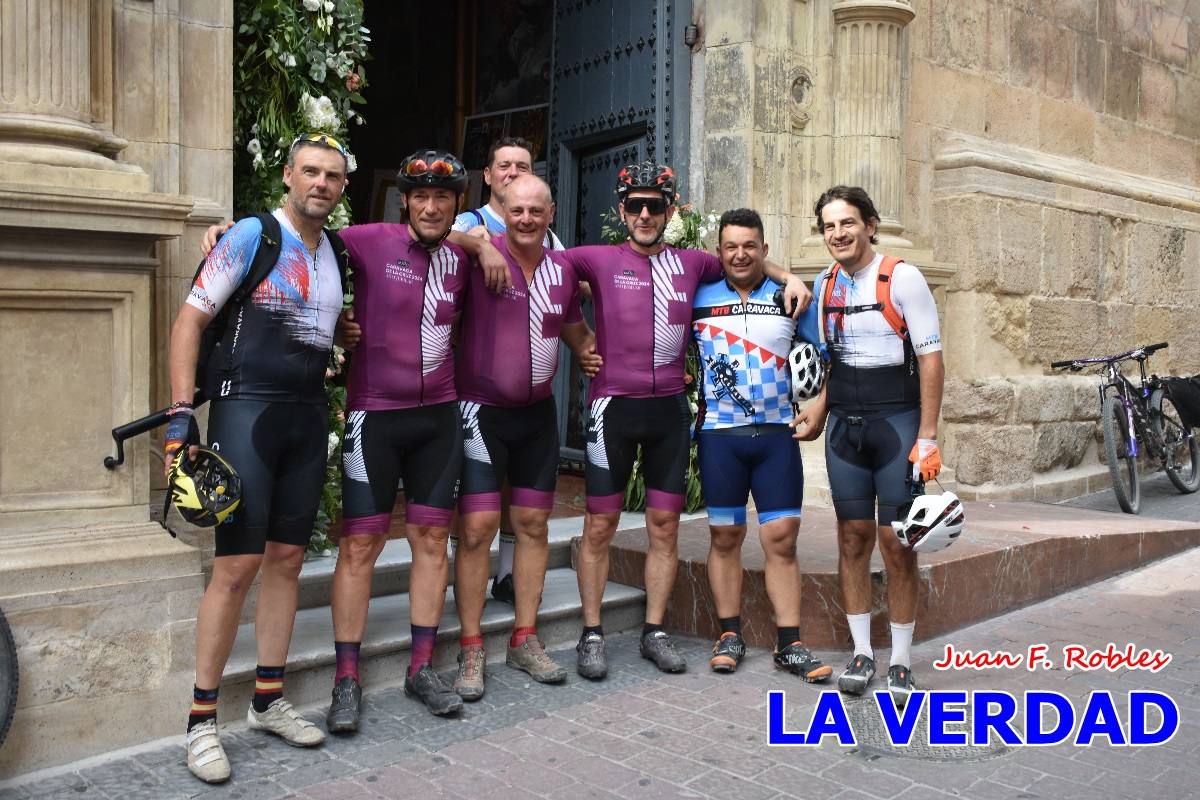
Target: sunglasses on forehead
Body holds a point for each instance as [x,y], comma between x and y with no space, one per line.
[418,167]
[324,139]
[655,205]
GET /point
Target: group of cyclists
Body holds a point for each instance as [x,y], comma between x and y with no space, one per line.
[455,333]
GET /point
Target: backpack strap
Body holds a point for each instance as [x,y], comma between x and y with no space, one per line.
[479,217]
[269,246]
[830,278]
[883,294]
[343,259]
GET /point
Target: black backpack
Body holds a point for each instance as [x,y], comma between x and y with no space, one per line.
[264,261]
[1185,393]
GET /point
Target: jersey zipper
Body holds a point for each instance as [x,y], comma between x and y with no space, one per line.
[653,338]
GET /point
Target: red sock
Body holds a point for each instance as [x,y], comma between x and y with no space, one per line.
[470,641]
[519,635]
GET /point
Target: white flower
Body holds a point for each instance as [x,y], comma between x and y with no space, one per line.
[328,6]
[319,113]
[312,5]
[674,233]
[287,59]
[351,163]
[254,129]
[258,161]
[253,147]
[333,443]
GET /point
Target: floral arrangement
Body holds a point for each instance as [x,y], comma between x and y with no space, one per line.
[687,229]
[298,68]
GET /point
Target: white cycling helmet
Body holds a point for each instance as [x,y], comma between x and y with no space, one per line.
[808,371]
[933,522]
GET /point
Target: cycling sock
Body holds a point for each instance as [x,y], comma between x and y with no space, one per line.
[596,629]
[508,545]
[785,636]
[902,636]
[519,635]
[204,706]
[731,625]
[453,545]
[860,631]
[650,627]
[470,641]
[423,638]
[268,686]
[346,654]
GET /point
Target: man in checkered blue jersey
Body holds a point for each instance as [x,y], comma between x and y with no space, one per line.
[745,444]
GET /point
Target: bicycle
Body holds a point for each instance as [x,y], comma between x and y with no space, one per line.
[1140,418]
[8,677]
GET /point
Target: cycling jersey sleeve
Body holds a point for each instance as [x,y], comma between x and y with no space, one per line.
[573,313]
[465,222]
[808,328]
[226,267]
[582,259]
[710,266]
[555,242]
[914,301]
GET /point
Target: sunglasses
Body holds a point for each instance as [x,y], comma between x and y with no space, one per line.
[418,167]
[655,205]
[323,139]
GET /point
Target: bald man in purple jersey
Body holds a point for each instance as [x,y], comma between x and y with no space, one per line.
[507,359]
[643,292]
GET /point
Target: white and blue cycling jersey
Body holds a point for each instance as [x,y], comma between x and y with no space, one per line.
[743,353]
[495,224]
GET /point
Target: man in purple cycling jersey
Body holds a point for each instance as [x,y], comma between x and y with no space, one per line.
[507,359]
[643,290]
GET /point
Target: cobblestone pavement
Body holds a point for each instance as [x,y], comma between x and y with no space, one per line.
[642,734]
[1160,499]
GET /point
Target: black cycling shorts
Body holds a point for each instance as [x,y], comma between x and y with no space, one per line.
[763,459]
[617,425]
[279,450]
[867,456]
[422,446]
[520,444]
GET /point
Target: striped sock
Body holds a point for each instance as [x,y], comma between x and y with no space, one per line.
[508,546]
[204,706]
[519,635]
[470,641]
[347,660]
[268,686]
[423,638]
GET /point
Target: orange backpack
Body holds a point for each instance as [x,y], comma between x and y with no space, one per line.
[883,295]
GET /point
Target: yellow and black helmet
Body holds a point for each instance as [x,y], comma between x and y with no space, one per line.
[204,491]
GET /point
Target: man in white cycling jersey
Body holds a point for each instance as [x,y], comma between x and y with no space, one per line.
[882,400]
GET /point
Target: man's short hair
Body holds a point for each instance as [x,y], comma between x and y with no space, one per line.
[509,141]
[855,196]
[741,218]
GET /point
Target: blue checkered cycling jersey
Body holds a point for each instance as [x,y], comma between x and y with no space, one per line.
[743,352]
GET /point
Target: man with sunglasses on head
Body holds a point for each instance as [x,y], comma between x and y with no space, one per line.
[882,399]
[402,419]
[269,420]
[643,291]
[507,360]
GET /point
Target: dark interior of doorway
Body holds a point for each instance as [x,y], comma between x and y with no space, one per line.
[439,68]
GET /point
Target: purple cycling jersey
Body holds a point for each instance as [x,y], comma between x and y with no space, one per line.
[643,314]
[405,299]
[509,348]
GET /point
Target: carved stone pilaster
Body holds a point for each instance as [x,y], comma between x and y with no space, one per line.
[868,119]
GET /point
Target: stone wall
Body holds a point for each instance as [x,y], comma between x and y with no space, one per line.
[1053,156]
[115,129]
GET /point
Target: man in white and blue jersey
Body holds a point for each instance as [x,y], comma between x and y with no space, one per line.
[745,442]
[509,158]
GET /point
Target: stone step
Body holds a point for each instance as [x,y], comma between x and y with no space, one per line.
[383,659]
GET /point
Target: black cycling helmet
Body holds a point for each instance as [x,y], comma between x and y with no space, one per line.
[646,175]
[204,491]
[432,168]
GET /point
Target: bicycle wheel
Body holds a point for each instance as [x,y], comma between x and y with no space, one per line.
[1181,450]
[8,677]
[1121,465]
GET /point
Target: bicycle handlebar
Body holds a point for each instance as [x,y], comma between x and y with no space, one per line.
[1080,363]
[140,426]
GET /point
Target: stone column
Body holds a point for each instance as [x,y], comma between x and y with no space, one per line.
[869,100]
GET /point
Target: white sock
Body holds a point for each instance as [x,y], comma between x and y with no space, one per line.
[508,543]
[860,630]
[453,545]
[902,643]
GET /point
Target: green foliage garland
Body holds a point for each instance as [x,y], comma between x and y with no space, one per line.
[298,68]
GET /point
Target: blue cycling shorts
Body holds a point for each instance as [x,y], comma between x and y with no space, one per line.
[759,459]
[867,456]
